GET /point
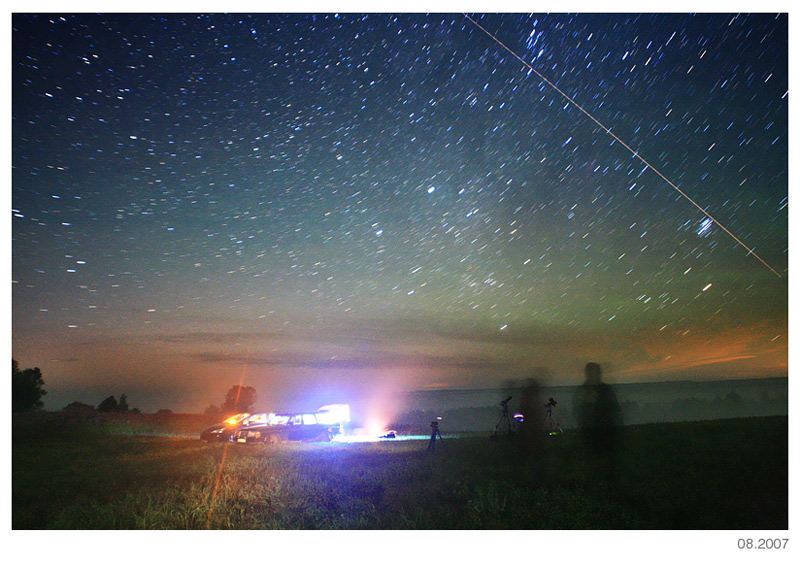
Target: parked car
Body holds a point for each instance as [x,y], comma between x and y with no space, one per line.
[287,427]
[223,431]
[253,419]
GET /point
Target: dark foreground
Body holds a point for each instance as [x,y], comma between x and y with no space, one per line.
[726,474]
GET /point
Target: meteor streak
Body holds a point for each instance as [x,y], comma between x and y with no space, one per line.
[625,145]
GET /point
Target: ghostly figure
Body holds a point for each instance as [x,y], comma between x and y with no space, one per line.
[599,416]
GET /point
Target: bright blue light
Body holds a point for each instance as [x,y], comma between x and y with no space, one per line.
[333,414]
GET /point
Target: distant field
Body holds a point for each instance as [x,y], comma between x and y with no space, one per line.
[724,474]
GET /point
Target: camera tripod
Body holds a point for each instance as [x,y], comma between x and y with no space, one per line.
[504,418]
[553,427]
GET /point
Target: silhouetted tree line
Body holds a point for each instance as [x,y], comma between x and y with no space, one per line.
[238,399]
[111,404]
[27,388]
[729,405]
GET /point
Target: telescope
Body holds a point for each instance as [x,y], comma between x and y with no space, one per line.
[553,425]
[504,419]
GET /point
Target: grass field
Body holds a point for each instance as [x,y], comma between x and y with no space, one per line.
[726,474]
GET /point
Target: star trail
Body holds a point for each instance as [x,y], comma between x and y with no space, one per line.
[333,202]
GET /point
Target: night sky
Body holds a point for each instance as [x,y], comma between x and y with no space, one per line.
[326,205]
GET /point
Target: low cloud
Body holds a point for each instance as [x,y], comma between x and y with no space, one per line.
[375,332]
[354,362]
[67,360]
[214,337]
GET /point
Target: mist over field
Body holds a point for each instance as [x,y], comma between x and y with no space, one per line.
[376,409]
[641,403]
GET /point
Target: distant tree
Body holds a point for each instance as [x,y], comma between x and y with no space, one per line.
[733,397]
[27,388]
[78,407]
[108,405]
[79,411]
[111,404]
[164,412]
[213,411]
[239,399]
[122,404]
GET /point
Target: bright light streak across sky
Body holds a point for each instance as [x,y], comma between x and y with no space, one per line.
[628,147]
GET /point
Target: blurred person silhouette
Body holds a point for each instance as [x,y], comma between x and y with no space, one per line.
[531,432]
[434,433]
[599,417]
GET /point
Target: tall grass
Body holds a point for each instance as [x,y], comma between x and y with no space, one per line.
[726,474]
